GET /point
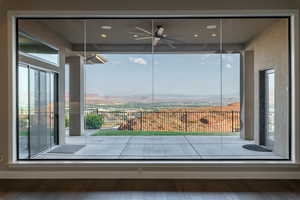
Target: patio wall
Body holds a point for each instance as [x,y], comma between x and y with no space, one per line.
[270,49]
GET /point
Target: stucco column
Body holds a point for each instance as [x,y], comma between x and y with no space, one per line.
[76,93]
[247,95]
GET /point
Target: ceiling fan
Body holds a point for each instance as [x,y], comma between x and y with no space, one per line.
[157,37]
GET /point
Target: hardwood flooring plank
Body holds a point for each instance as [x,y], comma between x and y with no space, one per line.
[149,190]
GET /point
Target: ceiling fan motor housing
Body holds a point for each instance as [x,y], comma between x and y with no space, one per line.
[160,31]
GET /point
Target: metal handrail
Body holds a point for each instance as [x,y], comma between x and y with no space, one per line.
[183,121]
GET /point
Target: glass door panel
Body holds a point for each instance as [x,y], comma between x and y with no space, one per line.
[270,108]
[41,105]
[23,117]
[52,109]
[34,112]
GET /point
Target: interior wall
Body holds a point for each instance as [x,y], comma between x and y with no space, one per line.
[149,5]
[96,5]
[271,51]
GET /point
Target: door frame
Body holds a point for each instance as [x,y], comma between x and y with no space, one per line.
[263,127]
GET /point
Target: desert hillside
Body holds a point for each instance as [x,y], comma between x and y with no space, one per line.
[201,119]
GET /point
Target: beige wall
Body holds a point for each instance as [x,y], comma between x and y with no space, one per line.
[149,5]
[247,94]
[271,51]
[96,5]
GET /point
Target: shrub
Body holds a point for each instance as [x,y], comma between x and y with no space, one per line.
[93,121]
[67,122]
[23,123]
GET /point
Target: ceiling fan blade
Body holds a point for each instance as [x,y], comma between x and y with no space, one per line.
[172,36]
[169,44]
[172,40]
[138,33]
[143,30]
[144,38]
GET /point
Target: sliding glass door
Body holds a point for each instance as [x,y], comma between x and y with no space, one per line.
[37,111]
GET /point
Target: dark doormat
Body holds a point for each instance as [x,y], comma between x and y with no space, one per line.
[255,147]
[67,149]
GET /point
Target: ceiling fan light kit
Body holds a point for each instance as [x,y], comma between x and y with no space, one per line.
[106,27]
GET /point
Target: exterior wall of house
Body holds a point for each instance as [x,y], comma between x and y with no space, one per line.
[138,6]
[271,50]
[44,34]
[76,95]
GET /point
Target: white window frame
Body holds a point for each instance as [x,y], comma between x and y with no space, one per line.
[295,84]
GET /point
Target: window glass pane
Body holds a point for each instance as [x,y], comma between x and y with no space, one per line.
[119,80]
[163,88]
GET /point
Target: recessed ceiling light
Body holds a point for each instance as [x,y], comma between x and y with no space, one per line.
[213,35]
[106,27]
[196,35]
[211,27]
[103,35]
[135,36]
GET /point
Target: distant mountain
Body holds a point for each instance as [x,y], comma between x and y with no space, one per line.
[93,98]
[96,99]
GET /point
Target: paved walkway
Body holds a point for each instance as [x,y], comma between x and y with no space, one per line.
[161,147]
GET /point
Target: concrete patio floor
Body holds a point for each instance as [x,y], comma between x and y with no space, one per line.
[160,147]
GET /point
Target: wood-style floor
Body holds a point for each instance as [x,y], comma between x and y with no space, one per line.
[149,189]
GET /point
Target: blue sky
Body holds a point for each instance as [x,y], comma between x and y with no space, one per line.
[174,74]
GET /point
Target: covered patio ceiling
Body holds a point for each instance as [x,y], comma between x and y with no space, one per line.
[188,35]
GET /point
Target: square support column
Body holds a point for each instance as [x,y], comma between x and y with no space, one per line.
[247,95]
[76,95]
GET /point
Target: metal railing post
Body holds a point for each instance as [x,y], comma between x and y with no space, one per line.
[186,121]
[141,122]
[232,123]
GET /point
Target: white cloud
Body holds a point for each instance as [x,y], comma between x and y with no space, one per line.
[140,61]
[229,66]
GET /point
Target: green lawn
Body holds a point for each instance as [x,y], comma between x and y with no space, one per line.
[23,133]
[147,133]
[153,133]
